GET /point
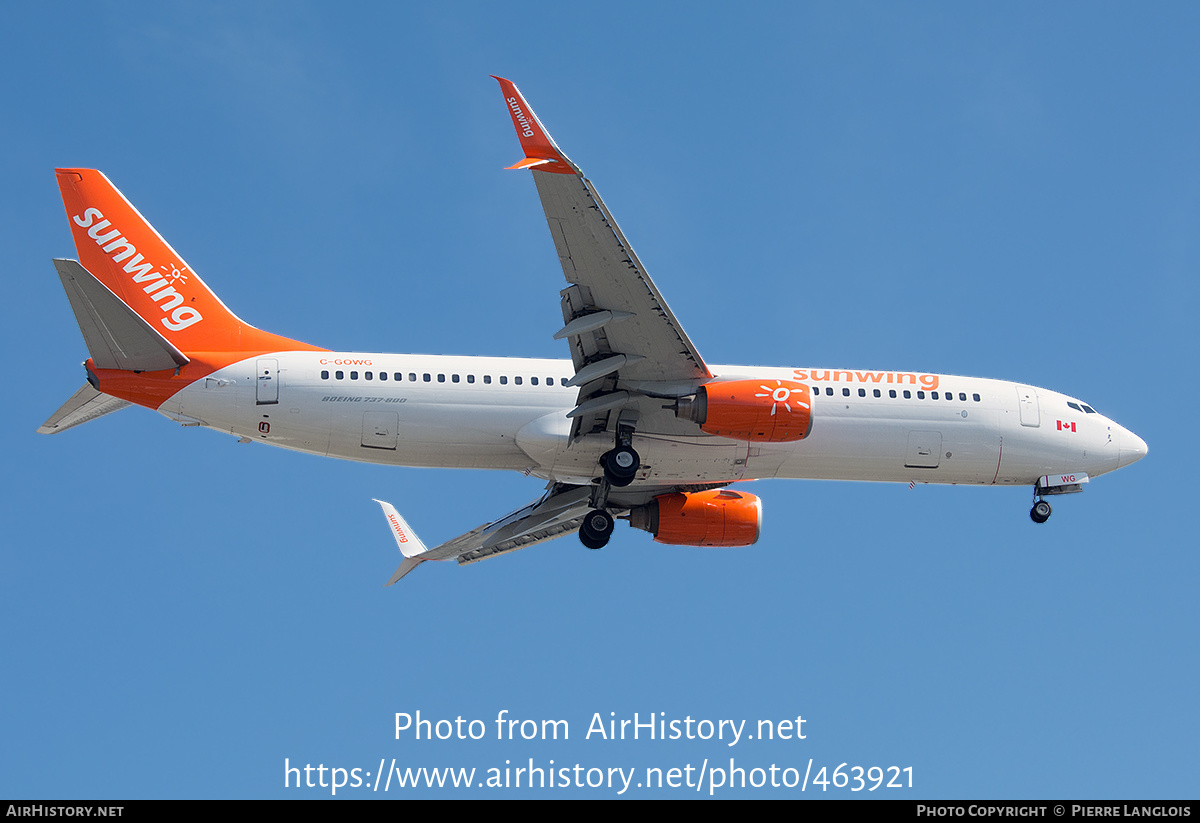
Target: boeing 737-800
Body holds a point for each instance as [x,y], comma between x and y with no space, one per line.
[636,425]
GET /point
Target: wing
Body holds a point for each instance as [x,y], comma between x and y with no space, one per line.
[627,347]
[560,511]
[624,339]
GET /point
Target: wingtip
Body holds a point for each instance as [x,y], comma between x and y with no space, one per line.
[406,539]
[541,152]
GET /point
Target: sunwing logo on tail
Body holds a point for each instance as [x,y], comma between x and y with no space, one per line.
[160,285]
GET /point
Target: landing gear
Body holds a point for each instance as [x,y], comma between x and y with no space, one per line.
[1068,483]
[1040,512]
[621,465]
[597,528]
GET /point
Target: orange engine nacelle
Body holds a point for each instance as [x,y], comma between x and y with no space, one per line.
[719,517]
[776,411]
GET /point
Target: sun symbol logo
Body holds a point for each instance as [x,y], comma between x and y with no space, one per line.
[176,274]
[782,395]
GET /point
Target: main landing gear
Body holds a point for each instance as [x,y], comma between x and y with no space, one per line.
[597,528]
[620,465]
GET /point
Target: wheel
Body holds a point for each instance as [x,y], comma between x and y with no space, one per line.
[621,465]
[1040,512]
[597,528]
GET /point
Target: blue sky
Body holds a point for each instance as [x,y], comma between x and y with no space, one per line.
[994,190]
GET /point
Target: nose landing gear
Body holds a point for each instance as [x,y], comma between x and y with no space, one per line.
[1049,484]
[1040,512]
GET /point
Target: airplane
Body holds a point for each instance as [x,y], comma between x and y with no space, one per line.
[635,426]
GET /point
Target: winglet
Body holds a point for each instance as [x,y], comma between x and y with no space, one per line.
[406,539]
[541,152]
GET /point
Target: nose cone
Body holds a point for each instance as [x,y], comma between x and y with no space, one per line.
[1132,448]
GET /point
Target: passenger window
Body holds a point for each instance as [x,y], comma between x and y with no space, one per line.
[454,378]
[932,395]
[878,393]
[383,375]
[892,393]
[399,376]
[907,394]
[487,378]
[369,375]
[920,395]
[412,377]
[829,391]
[845,392]
[353,375]
[533,381]
[862,392]
[517,380]
[339,374]
[325,375]
[962,395]
[503,380]
[441,378]
[470,378]
[427,377]
[975,397]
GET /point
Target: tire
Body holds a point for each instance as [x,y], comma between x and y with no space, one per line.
[621,465]
[597,528]
[1040,512]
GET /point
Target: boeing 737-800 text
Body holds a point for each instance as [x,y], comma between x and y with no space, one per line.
[636,425]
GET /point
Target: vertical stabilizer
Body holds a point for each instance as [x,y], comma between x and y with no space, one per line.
[124,252]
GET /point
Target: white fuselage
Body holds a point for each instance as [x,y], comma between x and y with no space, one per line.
[510,413]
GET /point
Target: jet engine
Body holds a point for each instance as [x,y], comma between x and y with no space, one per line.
[718,517]
[775,411]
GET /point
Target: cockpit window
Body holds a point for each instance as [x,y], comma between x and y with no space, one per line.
[1075,406]
[1089,409]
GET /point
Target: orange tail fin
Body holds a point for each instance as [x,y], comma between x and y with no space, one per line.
[122,250]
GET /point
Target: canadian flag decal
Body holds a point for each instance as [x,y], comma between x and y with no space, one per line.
[1066,427]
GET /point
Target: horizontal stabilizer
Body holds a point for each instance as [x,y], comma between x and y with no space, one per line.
[116,336]
[84,405]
